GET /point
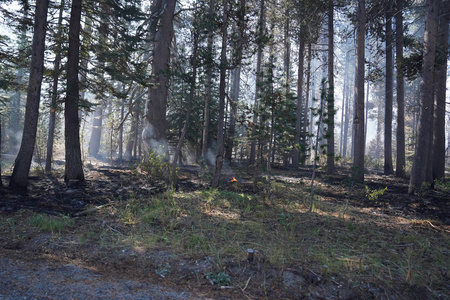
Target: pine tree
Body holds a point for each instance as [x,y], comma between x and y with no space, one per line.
[19,178]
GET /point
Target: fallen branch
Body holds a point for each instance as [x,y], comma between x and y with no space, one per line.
[113,229]
[246,285]
[91,210]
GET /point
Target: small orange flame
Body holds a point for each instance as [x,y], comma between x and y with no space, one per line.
[233,180]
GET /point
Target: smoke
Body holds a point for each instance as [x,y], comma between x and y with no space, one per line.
[150,137]
[15,139]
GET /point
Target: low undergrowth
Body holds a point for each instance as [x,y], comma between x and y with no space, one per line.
[377,255]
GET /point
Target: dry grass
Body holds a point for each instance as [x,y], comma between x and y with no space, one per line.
[362,247]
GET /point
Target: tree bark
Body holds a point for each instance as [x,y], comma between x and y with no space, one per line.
[122,115]
[188,112]
[155,131]
[54,105]
[259,54]
[130,143]
[438,158]
[298,114]
[420,163]
[388,166]
[358,121]
[74,164]
[344,92]
[208,85]
[19,178]
[401,160]
[307,99]
[236,80]
[220,129]
[96,134]
[236,75]
[330,98]
[1,183]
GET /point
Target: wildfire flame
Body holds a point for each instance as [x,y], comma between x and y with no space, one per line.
[233,180]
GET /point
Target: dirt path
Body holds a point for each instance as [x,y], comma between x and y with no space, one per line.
[44,280]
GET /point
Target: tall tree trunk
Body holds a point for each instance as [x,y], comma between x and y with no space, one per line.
[388,166]
[122,115]
[131,139]
[208,85]
[344,91]
[155,131]
[367,100]
[298,114]
[19,179]
[54,105]
[348,112]
[401,160]
[188,111]
[1,183]
[287,70]
[261,26]
[74,165]
[307,100]
[438,158]
[137,139]
[420,163]
[358,121]
[96,134]
[330,98]
[223,69]
[236,81]
[236,75]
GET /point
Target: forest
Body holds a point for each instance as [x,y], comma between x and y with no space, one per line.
[233,149]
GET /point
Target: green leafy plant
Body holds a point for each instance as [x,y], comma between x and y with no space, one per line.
[163,269]
[12,224]
[283,219]
[219,278]
[155,165]
[204,173]
[373,195]
[442,185]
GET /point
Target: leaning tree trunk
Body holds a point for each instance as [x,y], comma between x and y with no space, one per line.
[401,160]
[74,164]
[358,121]
[155,131]
[441,78]
[388,166]
[220,125]
[54,105]
[330,98]
[19,179]
[420,163]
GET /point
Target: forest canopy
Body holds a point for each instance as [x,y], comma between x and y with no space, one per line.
[261,83]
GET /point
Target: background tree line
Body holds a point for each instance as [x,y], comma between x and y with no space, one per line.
[261,83]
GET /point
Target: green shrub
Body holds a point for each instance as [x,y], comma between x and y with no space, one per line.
[155,165]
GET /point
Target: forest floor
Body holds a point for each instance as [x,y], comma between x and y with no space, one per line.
[123,235]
